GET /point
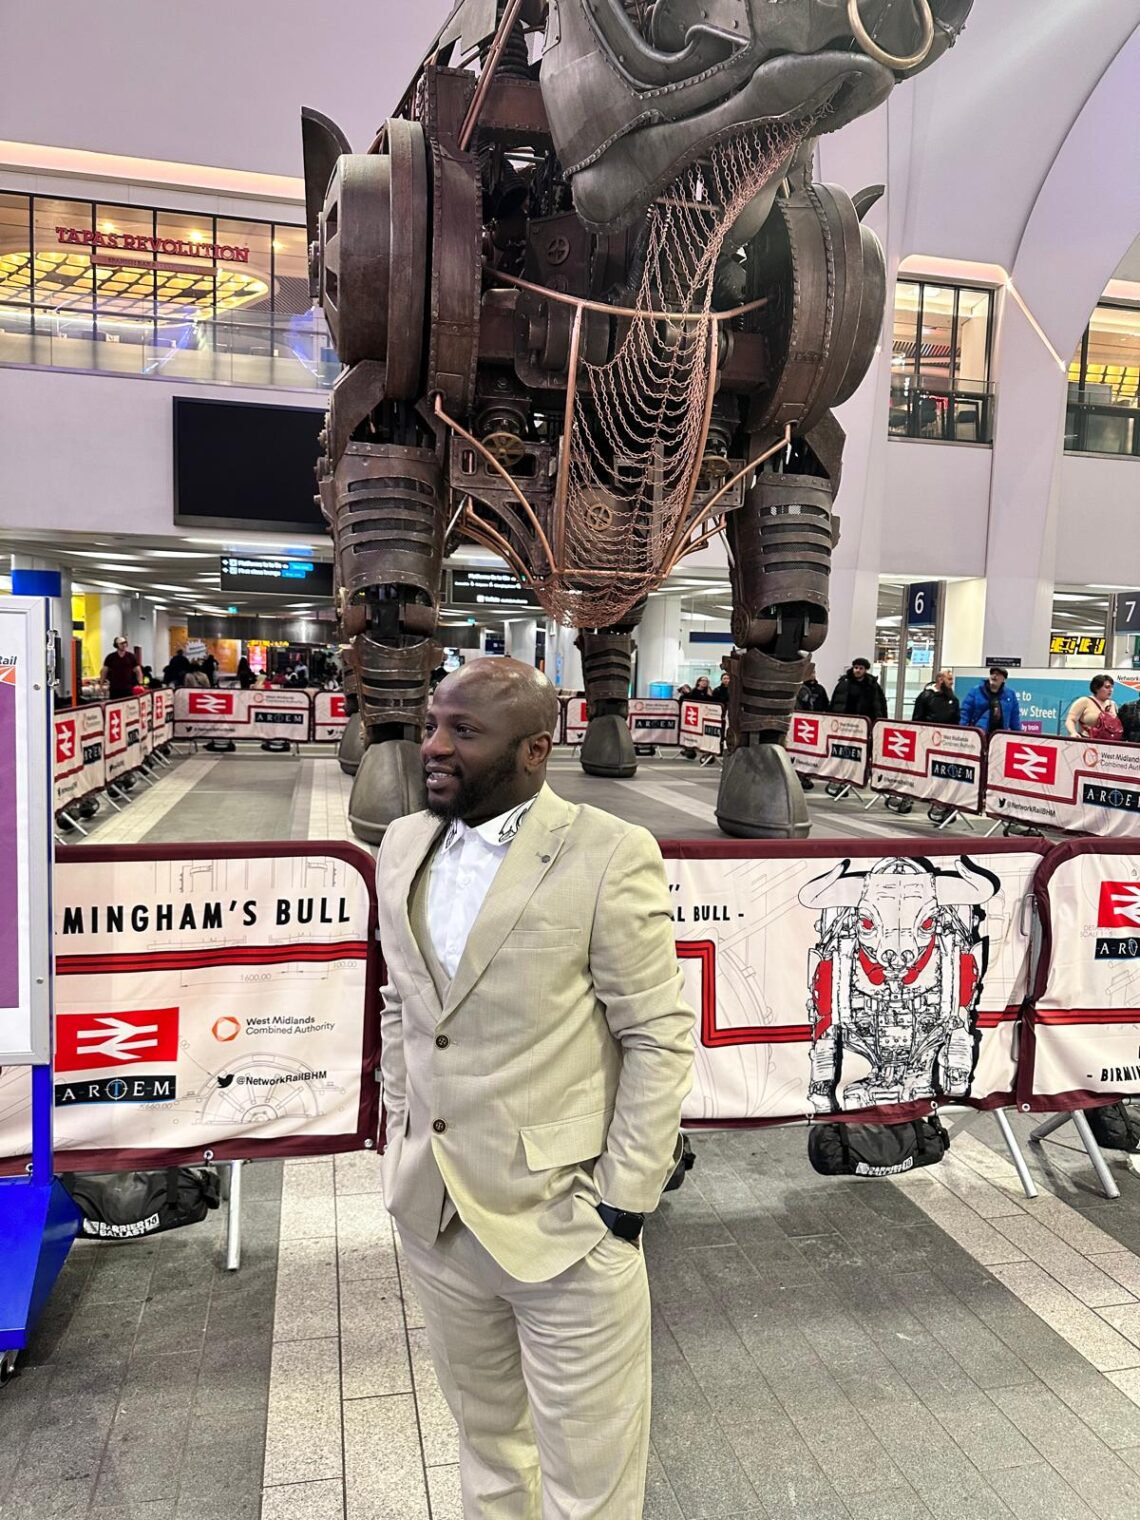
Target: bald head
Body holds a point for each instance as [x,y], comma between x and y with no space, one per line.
[519,698]
[487,738]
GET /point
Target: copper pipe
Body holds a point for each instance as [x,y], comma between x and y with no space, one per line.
[506,26]
[625,311]
[490,538]
[497,467]
[563,483]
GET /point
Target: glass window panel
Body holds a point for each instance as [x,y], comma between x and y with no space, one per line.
[972,358]
[936,339]
[904,350]
[291,268]
[15,252]
[125,274]
[184,273]
[64,280]
[245,285]
[1114,355]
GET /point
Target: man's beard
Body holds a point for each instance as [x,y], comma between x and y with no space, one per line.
[470,795]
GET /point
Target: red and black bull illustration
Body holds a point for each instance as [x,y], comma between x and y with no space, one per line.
[895,979]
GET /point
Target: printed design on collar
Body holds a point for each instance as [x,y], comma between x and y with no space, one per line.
[500,830]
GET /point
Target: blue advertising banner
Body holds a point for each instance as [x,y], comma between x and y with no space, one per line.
[1045,696]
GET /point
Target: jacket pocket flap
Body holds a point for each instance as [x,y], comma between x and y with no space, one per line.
[566,1141]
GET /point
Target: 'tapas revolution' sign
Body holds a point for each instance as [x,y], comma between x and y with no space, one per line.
[230,253]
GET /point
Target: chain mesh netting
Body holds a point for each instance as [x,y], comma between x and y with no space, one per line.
[636,443]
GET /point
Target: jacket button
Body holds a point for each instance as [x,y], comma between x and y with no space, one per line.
[439,1126]
[442,1041]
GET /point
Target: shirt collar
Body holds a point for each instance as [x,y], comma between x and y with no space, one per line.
[496,833]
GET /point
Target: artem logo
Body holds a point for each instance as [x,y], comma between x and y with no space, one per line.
[94,1041]
[899,744]
[1031,762]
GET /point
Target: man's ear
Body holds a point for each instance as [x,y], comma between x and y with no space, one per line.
[538,750]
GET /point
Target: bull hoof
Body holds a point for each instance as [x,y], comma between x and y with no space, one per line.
[389,785]
[351,745]
[607,749]
[759,796]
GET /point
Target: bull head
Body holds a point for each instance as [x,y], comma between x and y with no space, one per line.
[896,904]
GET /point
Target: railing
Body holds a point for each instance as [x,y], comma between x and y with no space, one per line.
[295,353]
[928,407]
[1095,423]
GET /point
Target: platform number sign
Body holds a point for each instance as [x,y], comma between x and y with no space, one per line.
[1127,612]
[922,604]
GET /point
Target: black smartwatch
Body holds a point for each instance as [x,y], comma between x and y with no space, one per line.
[622,1222]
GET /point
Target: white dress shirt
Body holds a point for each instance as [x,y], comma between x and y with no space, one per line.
[462,871]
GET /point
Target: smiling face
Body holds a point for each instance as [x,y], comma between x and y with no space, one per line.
[487,738]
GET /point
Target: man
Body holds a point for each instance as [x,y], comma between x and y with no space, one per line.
[121,671]
[859,692]
[536,1050]
[992,705]
[812,695]
[176,672]
[937,703]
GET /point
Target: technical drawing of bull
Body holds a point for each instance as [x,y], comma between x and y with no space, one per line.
[895,979]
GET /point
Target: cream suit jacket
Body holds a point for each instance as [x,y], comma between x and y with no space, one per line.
[551,1077]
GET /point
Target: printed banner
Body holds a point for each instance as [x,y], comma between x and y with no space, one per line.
[654,720]
[79,767]
[222,1003]
[163,722]
[929,762]
[690,727]
[574,720]
[832,745]
[146,722]
[1070,784]
[329,716]
[122,737]
[854,983]
[1086,1022]
[203,713]
[710,740]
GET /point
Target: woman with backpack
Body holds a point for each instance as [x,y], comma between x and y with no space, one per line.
[1095,717]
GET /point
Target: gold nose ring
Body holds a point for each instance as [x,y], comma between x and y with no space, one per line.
[872,48]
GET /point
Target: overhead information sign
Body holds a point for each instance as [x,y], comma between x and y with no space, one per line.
[308,576]
[488,588]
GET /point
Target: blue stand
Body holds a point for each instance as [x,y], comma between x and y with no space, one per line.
[38,1222]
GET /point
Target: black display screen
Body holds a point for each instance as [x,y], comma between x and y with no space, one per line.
[242,465]
[308,576]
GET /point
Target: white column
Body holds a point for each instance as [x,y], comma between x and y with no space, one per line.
[520,639]
[563,661]
[658,639]
[963,611]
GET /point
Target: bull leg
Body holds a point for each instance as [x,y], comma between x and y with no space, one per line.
[388,523]
[780,541]
[607,664]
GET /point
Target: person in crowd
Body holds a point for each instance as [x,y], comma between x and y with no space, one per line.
[300,674]
[121,671]
[149,679]
[938,702]
[1095,717]
[175,672]
[857,691]
[1129,715]
[245,675]
[536,1048]
[812,695]
[260,681]
[992,705]
[683,691]
[210,667]
[195,676]
[702,691]
[722,692]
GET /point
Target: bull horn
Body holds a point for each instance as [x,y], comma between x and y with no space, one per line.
[972,885]
[835,890]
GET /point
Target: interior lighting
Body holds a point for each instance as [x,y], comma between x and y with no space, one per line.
[176,554]
[124,290]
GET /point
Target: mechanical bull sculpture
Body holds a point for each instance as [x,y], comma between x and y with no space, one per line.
[894,982]
[593,309]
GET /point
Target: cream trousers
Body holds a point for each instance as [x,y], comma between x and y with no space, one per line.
[549,1382]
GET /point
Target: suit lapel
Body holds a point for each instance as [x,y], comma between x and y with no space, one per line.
[399,887]
[532,853]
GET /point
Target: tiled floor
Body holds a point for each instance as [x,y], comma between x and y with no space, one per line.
[937,1346]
